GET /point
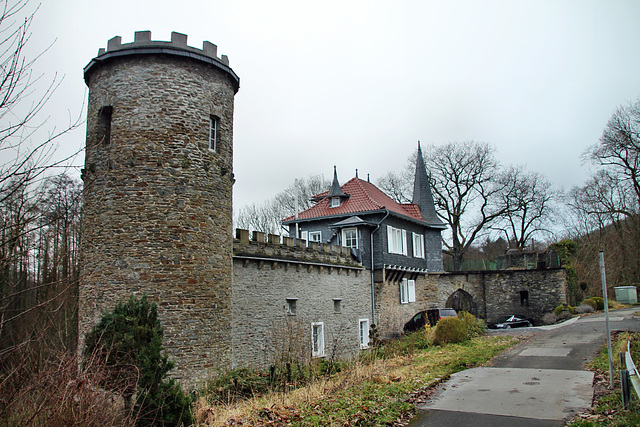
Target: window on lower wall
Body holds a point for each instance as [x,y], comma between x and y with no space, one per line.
[317,339]
[364,333]
[292,306]
[337,305]
[407,291]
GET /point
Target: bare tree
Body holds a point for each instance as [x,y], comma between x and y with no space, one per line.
[618,152]
[463,180]
[606,209]
[267,216]
[398,185]
[38,222]
[527,201]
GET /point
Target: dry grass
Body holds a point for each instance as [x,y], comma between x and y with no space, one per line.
[383,381]
[54,391]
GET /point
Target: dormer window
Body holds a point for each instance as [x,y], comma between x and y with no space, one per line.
[335,202]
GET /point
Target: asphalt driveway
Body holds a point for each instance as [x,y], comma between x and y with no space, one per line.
[539,382]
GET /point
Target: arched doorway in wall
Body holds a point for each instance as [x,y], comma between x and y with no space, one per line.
[461,300]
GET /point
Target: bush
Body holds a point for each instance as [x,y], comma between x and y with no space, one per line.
[564,315]
[559,309]
[599,301]
[590,302]
[128,341]
[450,330]
[474,326]
[550,319]
[584,308]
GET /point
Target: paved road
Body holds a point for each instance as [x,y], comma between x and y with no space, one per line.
[539,382]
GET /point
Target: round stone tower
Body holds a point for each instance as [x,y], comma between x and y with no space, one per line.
[158,176]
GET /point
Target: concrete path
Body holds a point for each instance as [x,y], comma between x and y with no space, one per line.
[539,382]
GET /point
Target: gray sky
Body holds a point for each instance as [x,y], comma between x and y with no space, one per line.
[358,83]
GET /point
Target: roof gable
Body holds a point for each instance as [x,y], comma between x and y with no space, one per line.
[363,197]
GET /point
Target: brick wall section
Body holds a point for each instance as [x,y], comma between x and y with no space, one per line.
[157,215]
[266,274]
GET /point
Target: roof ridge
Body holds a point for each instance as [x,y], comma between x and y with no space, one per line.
[367,193]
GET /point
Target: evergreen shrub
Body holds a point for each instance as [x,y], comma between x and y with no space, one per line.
[559,309]
[590,302]
[128,341]
[474,326]
[450,330]
[599,301]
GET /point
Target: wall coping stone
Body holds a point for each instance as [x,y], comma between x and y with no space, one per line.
[321,254]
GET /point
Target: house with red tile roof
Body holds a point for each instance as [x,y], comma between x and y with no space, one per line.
[397,242]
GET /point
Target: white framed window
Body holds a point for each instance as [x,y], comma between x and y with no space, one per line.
[315,236]
[364,333]
[407,291]
[292,304]
[317,339]
[335,202]
[396,240]
[350,237]
[214,124]
[418,245]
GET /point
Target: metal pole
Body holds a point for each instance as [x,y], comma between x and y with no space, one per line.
[625,385]
[606,316]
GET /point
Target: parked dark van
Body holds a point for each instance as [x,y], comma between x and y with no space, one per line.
[430,316]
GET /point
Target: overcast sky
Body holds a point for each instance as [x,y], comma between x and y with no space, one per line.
[357,83]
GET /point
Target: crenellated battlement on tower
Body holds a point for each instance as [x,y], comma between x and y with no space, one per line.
[142,45]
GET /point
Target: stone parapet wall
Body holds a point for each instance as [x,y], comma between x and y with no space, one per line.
[287,248]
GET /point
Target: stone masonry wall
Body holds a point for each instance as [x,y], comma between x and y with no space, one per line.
[157,202]
[327,286]
[495,293]
[546,290]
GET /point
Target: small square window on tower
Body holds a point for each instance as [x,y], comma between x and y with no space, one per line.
[337,305]
[214,125]
[292,306]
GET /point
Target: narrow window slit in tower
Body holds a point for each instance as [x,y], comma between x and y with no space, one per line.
[214,124]
[104,124]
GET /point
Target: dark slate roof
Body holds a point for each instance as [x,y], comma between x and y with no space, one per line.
[422,196]
[335,190]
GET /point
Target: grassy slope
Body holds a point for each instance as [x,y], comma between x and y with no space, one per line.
[608,409]
[368,393]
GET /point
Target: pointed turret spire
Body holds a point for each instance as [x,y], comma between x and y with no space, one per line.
[422,195]
[335,191]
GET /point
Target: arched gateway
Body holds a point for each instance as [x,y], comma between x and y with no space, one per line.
[461,300]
